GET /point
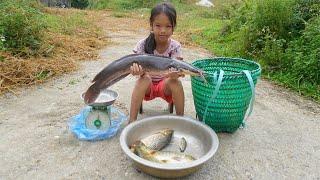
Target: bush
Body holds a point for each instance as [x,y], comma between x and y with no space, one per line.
[21,27]
[80,4]
[2,39]
[284,36]
[225,10]
[304,53]
[302,12]
[274,15]
[261,21]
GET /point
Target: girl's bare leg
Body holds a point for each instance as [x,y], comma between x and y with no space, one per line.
[174,87]
[141,88]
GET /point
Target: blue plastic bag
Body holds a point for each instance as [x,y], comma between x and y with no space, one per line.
[77,125]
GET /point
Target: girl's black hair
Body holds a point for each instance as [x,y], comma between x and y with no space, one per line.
[168,10]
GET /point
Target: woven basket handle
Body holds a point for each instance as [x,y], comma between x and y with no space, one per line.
[215,92]
[248,74]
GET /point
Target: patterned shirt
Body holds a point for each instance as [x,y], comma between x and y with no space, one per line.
[173,51]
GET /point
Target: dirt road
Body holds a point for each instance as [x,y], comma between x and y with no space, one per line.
[281,139]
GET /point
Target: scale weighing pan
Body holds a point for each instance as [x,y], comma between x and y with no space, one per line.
[105,98]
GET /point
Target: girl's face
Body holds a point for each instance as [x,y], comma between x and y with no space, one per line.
[162,28]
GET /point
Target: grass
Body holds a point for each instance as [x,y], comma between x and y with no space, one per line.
[70,36]
[306,89]
[66,23]
[204,26]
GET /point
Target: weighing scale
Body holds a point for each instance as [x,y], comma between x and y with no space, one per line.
[99,116]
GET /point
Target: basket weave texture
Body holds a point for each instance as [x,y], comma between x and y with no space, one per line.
[226,112]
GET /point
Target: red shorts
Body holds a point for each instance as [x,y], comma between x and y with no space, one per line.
[157,90]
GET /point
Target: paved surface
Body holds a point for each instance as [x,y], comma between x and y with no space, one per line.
[281,140]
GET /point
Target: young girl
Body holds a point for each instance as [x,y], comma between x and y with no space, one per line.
[159,42]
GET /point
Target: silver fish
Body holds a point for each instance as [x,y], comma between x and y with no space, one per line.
[182,144]
[158,140]
[143,151]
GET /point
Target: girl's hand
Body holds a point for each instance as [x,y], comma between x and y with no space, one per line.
[174,74]
[136,70]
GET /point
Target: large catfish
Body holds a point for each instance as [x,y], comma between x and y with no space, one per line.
[120,68]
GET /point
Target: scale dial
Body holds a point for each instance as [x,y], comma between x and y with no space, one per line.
[98,120]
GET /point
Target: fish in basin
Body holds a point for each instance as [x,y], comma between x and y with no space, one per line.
[182,144]
[159,140]
[162,157]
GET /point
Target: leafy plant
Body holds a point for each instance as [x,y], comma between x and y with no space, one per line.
[21,27]
[282,35]
[304,53]
[80,4]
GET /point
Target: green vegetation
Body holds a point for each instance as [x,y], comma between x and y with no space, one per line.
[121,4]
[66,24]
[21,27]
[42,42]
[80,4]
[24,27]
[282,35]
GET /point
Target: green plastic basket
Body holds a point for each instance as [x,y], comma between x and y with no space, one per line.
[223,100]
